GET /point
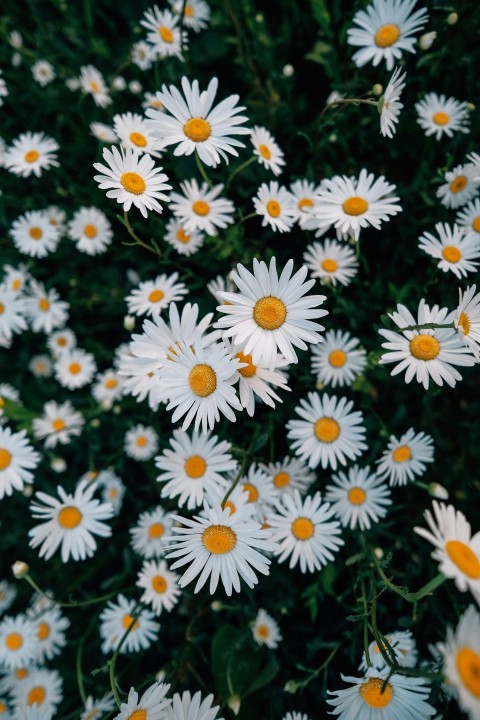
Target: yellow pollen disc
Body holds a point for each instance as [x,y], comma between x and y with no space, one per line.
[202,380]
[58,424]
[156,530]
[156,104]
[303,528]
[337,358]
[475,226]
[263,631]
[159,584]
[69,517]
[44,305]
[2,309]
[281,480]
[464,323]
[326,430]
[230,506]
[31,156]
[329,265]
[17,283]
[387,35]
[141,441]
[133,183]
[252,492]
[201,208]
[250,369]
[61,341]
[90,231]
[459,184]
[468,666]
[219,539]
[111,383]
[401,454]
[43,631]
[464,558]
[371,692]
[195,466]
[166,34]
[156,296]
[304,202]
[440,118]
[5,458]
[21,673]
[36,695]
[273,208]
[424,347]
[94,86]
[269,312]
[357,496]
[188,10]
[197,129]
[2,404]
[35,233]
[139,714]
[264,152]
[112,492]
[355,206]
[3,707]
[74,368]
[127,621]
[138,139]
[14,641]
[182,236]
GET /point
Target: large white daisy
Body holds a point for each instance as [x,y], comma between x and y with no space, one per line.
[192,707]
[133,133]
[331,262]
[467,319]
[17,459]
[58,424]
[455,251]
[359,498]
[34,235]
[90,230]
[117,617]
[338,360]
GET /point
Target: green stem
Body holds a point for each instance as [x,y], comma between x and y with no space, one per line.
[80,603]
[348,101]
[248,217]
[412,597]
[113,661]
[236,481]
[203,172]
[78,668]
[365,624]
[239,170]
[132,233]
[427,326]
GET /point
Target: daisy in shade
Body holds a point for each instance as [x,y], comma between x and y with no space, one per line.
[43,72]
[151,101]
[289,474]
[425,354]
[265,630]
[95,709]
[18,642]
[266,150]
[151,706]
[58,424]
[12,313]
[75,368]
[276,205]
[56,217]
[160,586]
[200,208]
[469,218]
[61,340]
[8,594]
[3,89]
[50,627]
[350,204]
[338,361]
[141,442]
[401,643]
[185,243]
[41,366]
[328,433]
[467,319]
[164,33]
[194,124]
[439,115]
[220,284]
[132,179]
[331,262]
[31,153]
[381,696]
[43,687]
[384,30]
[456,550]
[195,15]
[15,278]
[92,83]
[108,388]
[17,459]
[139,379]
[90,230]
[34,235]
[271,314]
[194,468]
[305,530]
[103,132]
[142,55]
[461,661]
[454,250]
[359,498]
[221,545]
[153,296]
[192,707]
[304,193]
[44,309]
[148,536]
[133,133]
[117,617]
[389,104]
[112,489]
[461,185]
[406,458]
[69,523]
[261,491]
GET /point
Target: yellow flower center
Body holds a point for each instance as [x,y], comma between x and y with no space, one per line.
[464,558]
[281,479]
[250,369]
[58,424]
[329,265]
[468,666]
[195,466]
[133,183]
[424,347]
[90,231]
[230,506]
[43,304]
[5,458]
[197,129]
[303,528]
[139,714]
[69,517]
[36,695]
[273,208]
[61,341]
[459,184]
[219,539]
[269,312]
[357,496]
[305,202]
[95,87]
[464,323]
[112,492]
[2,404]
[111,383]
[141,441]
[14,641]
[166,34]
[127,620]
[201,208]
[326,430]
[35,233]
[159,584]
[43,631]
[3,708]
[202,380]
[17,283]
[188,10]
[387,35]
[264,152]
[156,295]
[182,236]
[156,530]
[74,368]
[475,225]
[337,358]
[263,631]
[21,673]
[440,118]
[371,692]
[138,139]
[401,454]
[252,492]
[355,206]
[31,156]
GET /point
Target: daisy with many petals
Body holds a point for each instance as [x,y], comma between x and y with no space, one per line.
[439,115]
[108,388]
[200,208]
[192,707]
[389,104]
[17,459]
[142,55]
[31,153]
[261,491]
[133,133]
[152,705]
[50,627]
[42,688]
[34,235]
[455,251]
[16,278]
[118,617]
[111,488]
[153,296]
[164,33]
[141,442]
[401,643]
[60,341]
[90,230]
[75,368]
[467,319]
[196,13]
[43,72]
[359,498]
[95,709]
[18,642]
[44,309]
[265,630]
[469,218]
[185,243]
[148,535]
[406,458]
[12,314]
[289,474]
[462,183]
[338,360]
[266,150]
[160,586]
[58,424]
[41,366]
[92,83]
[331,262]
[103,132]
[276,205]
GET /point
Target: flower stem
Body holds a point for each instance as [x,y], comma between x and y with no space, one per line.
[239,169]
[73,603]
[113,661]
[412,597]
[237,479]
[248,217]
[348,101]
[203,172]
[126,222]
[427,326]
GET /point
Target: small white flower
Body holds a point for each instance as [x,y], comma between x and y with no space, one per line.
[160,586]
[439,115]
[390,105]
[118,617]
[90,230]
[201,208]
[276,205]
[58,424]
[331,262]
[455,251]
[31,153]
[461,186]
[265,630]
[43,72]
[266,149]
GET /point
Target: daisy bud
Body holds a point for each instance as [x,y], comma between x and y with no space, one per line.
[378,553]
[117,409]
[216,606]
[119,83]
[160,676]
[95,423]
[332,138]
[452,18]
[291,687]
[129,322]
[106,405]
[20,569]
[438,491]
[259,18]
[58,465]
[426,40]
[27,491]
[16,59]
[288,70]
[377,89]
[133,276]
[470,107]
[234,704]
[135,87]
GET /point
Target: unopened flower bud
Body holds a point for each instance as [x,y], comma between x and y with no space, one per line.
[427,39]
[58,465]
[129,322]
[452,18]
[377,89]
[135,87]
[20,569]
[234,704]
[160,676]
[438,491]
[378,553]
[27,491]
[119,83]
[117,409]
[95,423]
[288,70]
[291,687]
[216,605]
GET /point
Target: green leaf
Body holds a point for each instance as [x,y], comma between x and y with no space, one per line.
[321,14]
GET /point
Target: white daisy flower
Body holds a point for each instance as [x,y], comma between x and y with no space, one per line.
[403,645]
[60,341]
[112,489]
[328,433]
[237,498]
[338,361]
[193,124]
[18,642]
[43,687]
[41,366]
[455,251]
[222,546]
[266,149]
[359,498]
[90,230]
[305,530]
[141,442]
[148,536]
[265,630]
[389,104]
[425,354]
[56,217]
[31,153]
[12,313]
[70,523]
[200,208]
[469,218]
[385,29]
[289,474]
[305,196]
[160,586]
[16,278]
[151,706]
[406,458]
[95,709]
[261,491]
[17,459]
[8,593]
[74,368]
[135,87]
[439,115]
[103,132]
[34,235]
[92,83]
[142,55]
[117,617]
[350,204]
[131,178]
[192,707]
[43,72]
[50,627]
[195,15]
[139,379]
[3,89]
[331,262]
[456,550]
[133,133]
[44,309]
[108,388]
[220,284]
[164,33]
[467,319]
[461,186]
[276,205]
[12,678]
[153,296]
[185,243]
[58,424]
